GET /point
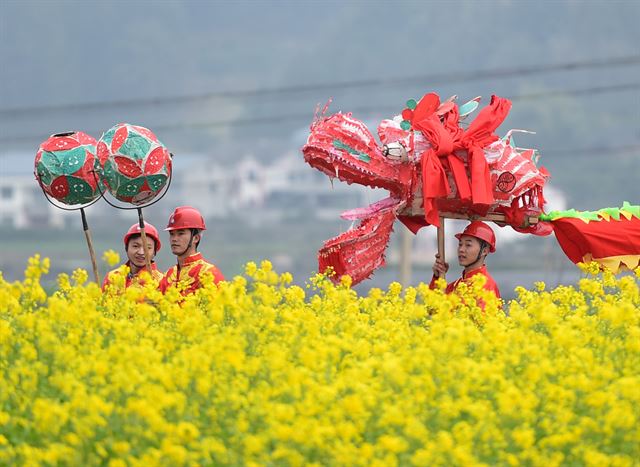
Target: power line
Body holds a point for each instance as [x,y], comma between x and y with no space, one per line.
[577,92]
[370,110]
[361,111]
[432,79]
[597,150]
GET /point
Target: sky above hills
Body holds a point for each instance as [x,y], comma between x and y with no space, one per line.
[229,78]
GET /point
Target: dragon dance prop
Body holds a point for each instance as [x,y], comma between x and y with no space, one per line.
[135,167]
[65,165]
[435,165]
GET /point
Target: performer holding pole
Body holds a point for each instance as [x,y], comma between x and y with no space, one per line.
[143,234]
[136,168]
[474,244]
[137,251]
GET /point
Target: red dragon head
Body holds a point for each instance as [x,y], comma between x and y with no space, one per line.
[429,164]
[343,148]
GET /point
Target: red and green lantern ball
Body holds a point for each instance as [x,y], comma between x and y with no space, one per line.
[65,167]
[135,164]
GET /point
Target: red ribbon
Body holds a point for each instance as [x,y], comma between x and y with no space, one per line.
[446,138]
[479,135]
[434,178]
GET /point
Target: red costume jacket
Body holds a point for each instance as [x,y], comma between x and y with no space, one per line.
[132,279]
[466,277]
[187,277]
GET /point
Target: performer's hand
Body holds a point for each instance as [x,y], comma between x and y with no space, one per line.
[440,268]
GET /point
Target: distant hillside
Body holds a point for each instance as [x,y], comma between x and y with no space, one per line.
[60,53]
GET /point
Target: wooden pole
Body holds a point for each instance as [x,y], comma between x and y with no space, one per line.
[92,254]
[490,217]
[441,240]
[143,235]
[405,258]
[416,209]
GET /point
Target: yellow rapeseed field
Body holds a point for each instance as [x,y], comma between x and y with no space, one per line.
[263,372]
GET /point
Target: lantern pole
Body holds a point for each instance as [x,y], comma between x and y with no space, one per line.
[85,227]
[143,235]
[77,135]
[87,234]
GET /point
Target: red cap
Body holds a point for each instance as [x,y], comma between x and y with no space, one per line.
[481,231]
[149,230]
[186,217]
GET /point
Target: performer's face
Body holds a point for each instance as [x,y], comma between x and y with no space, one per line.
[135,250]
[468,250]
[180,239]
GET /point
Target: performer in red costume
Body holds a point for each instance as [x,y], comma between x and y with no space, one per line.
[474,244]
[134,248]
[185,232]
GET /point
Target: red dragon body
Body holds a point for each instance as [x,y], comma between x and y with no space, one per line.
[430,165]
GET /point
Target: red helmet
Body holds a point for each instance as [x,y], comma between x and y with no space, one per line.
[149,230]
[481,231]
[186,217]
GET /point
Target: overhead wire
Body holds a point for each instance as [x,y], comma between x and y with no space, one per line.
[432,79]
[362,111]
[596,150]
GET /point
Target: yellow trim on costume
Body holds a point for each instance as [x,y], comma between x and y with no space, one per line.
[615,263]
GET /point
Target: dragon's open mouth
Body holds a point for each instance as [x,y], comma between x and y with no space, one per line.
[385,204]
[343,148]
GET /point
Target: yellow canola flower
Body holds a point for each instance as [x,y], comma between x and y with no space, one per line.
[111,257]
[260,371]
[592,268]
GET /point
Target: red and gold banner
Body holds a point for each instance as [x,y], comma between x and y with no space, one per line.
[611,236]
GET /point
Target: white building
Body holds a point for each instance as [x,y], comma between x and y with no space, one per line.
[284,188]
[249,189]
[22,202]
[293,187]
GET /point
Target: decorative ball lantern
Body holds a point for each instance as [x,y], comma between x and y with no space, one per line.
[65,165]
[135,165]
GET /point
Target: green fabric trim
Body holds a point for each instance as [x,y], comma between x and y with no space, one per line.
[156,182]
[80,192]
[361,155]
[71,161]
[615,213]
[108,137]
[43,174]
[51,163]
[111,176]
[631,209]
[130,188]
[135,146]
